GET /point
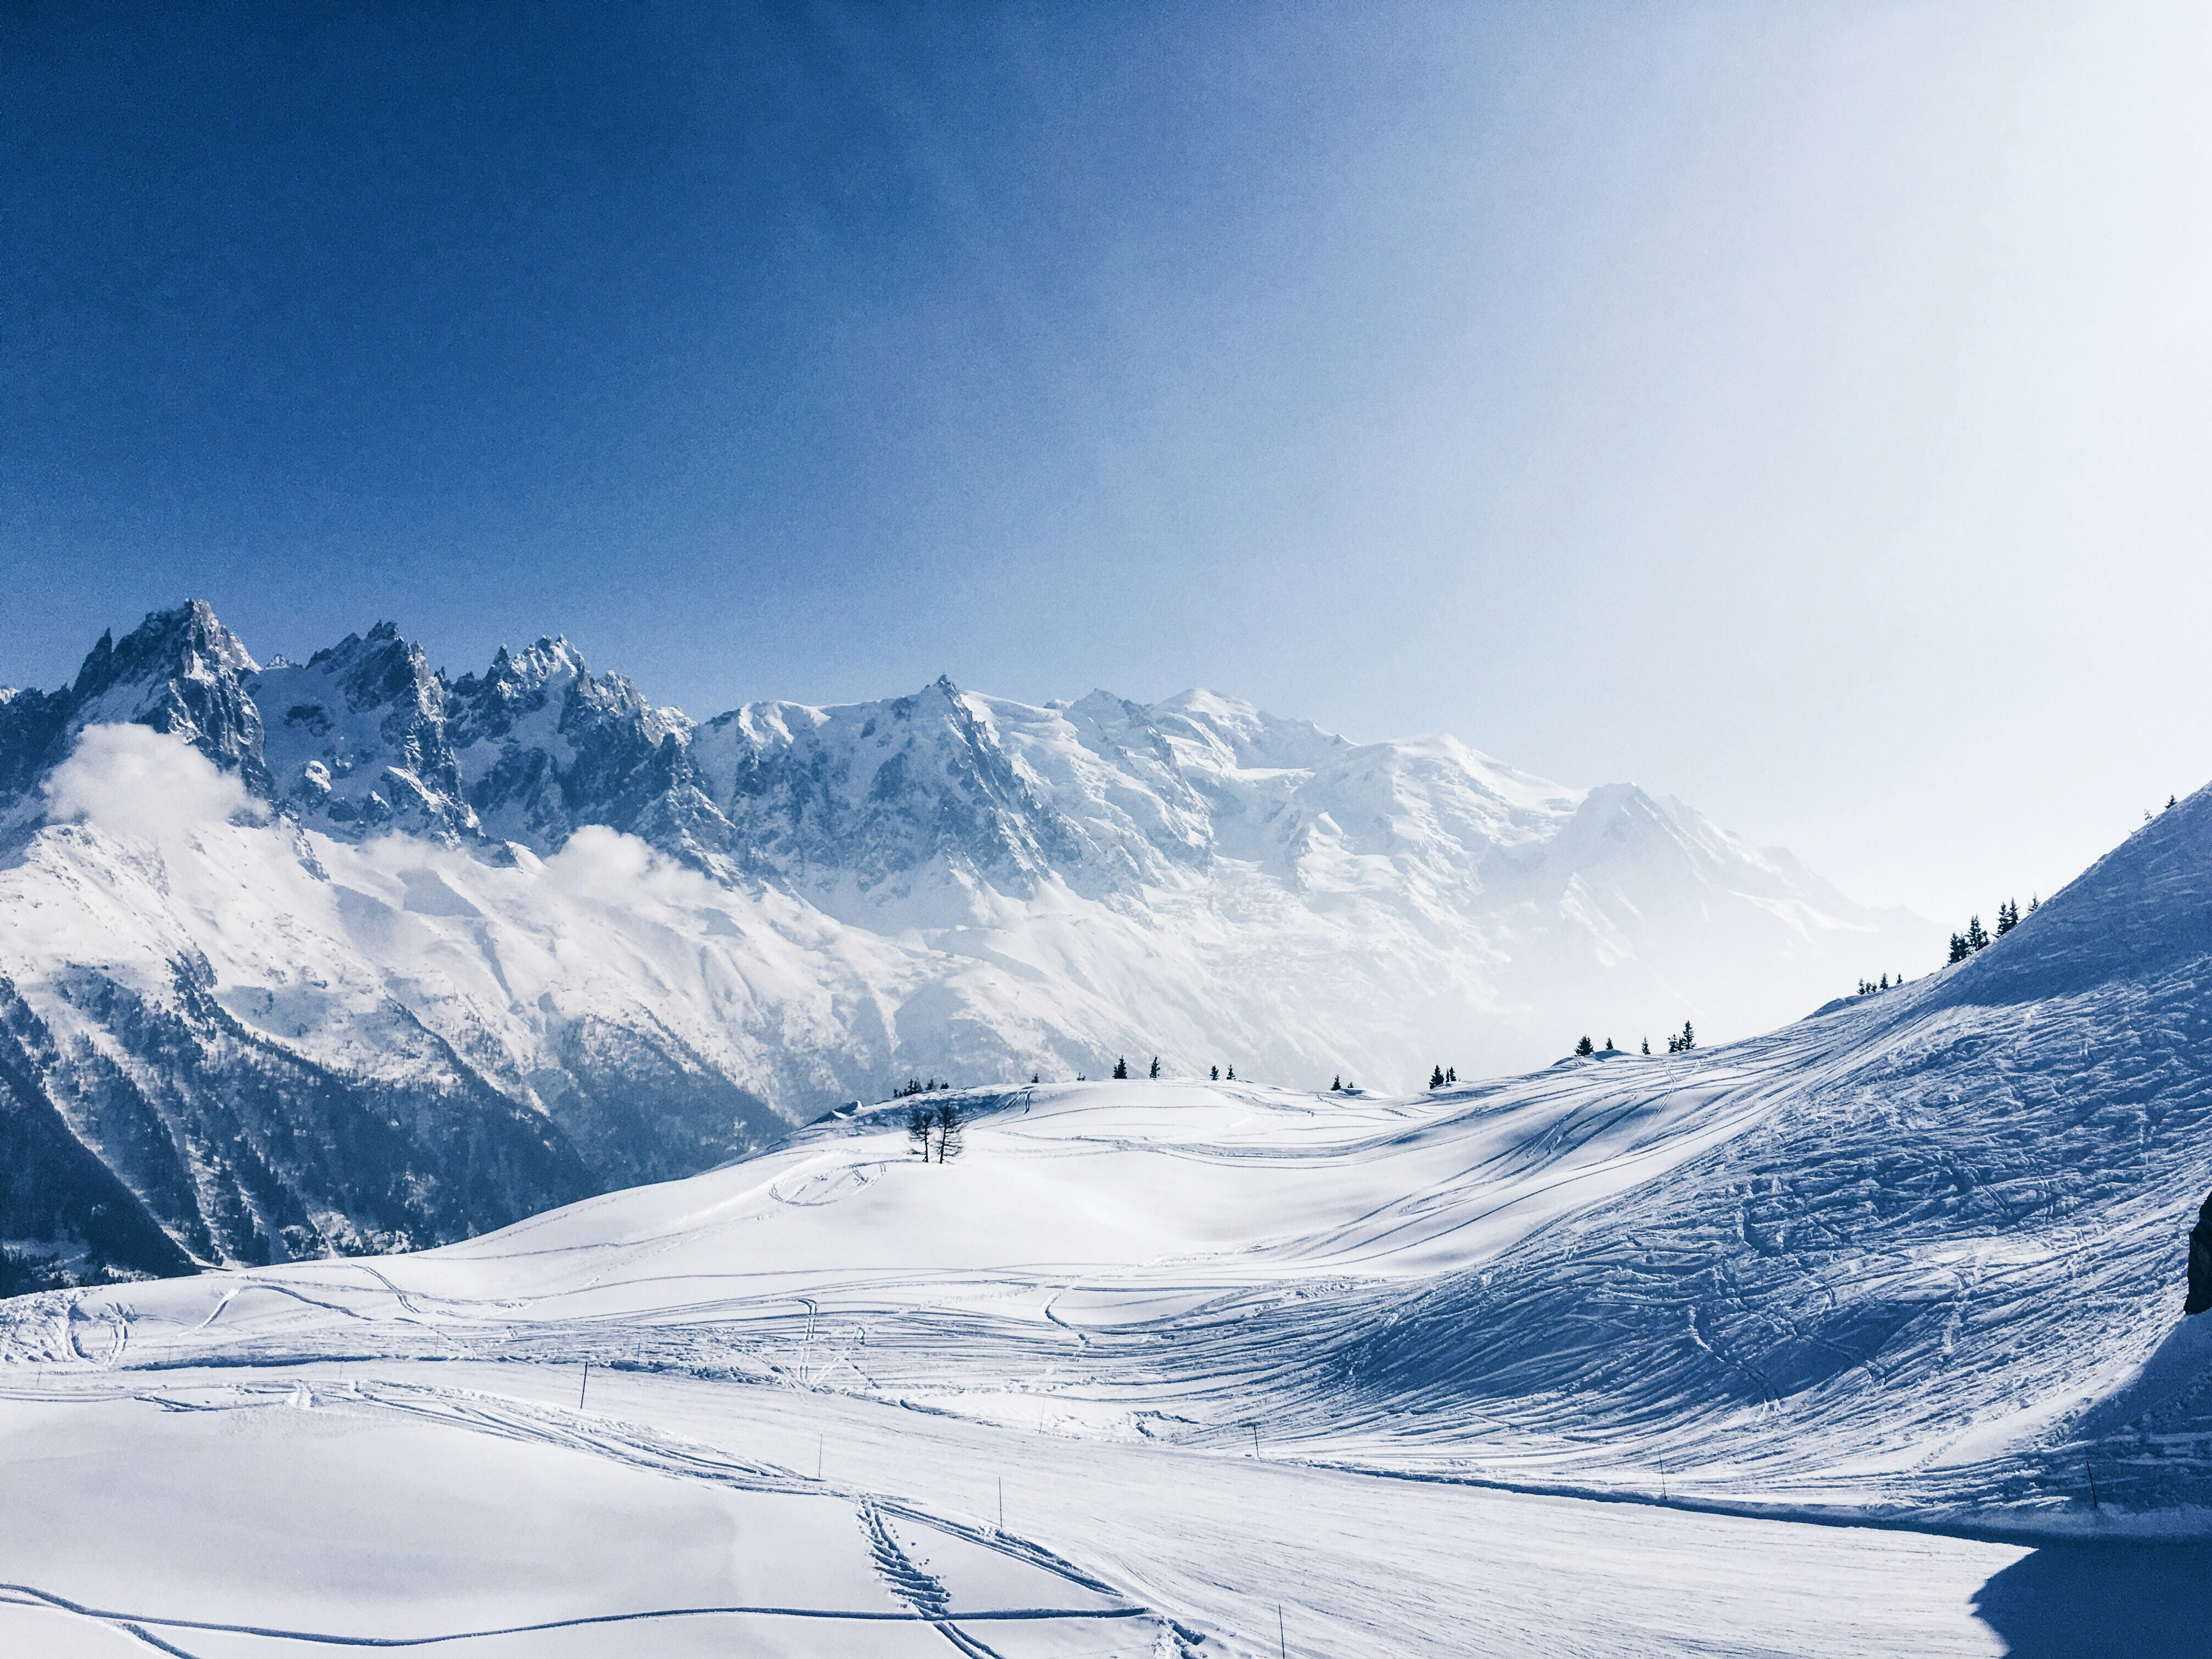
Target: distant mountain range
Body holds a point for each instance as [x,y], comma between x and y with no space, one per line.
[343,956]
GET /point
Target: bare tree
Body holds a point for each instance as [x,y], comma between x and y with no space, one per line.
[935,1131]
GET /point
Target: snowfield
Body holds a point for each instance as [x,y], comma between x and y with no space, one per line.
[1574,1362]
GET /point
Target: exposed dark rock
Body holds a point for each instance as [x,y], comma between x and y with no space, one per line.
[2200,1262]
[53,1186]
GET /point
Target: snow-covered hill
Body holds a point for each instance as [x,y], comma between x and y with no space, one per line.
[1918,1258]
[1925,1250]
[342,955]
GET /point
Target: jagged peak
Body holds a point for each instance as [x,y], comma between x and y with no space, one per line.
[939,694]
[164,644]
[383,639]
[550,657]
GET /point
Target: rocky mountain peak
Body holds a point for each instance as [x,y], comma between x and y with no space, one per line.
[180,672]
[357,737]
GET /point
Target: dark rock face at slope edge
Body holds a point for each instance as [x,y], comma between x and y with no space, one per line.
[2200,1262]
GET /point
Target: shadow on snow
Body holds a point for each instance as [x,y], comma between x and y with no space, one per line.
[2146,1600]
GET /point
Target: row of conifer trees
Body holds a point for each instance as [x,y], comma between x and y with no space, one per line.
[1979,938]
[1681,1043]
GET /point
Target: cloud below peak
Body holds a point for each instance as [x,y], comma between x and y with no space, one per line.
[133,781]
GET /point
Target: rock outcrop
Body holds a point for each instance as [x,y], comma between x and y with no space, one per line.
[2200,1262]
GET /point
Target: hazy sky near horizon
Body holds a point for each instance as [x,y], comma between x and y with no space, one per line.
[1803,410]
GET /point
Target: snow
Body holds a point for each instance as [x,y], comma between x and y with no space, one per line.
[1251,887]
[530,914]
[1806,1344]
[1813,1342]
[406,1502]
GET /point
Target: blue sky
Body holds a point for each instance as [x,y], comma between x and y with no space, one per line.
[1798,409]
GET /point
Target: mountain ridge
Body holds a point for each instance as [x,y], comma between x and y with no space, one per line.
[624,944]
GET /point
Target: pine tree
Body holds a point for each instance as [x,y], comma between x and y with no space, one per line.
[1977,937]
[2007,918]
[1689,1037]
[1156,1068]
[1585,1047]
[2033,904]
[1232,1074]
[1436,1078]
[1608,1045]
[1337,1086]
[1884,985]
[1451,1073]
[1217,1074]
[1122,1069]
[1036,1076]
[2170,803]
[1646,1047]
[1959,950]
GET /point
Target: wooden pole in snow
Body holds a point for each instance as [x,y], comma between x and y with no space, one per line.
[584,1386]
[1282,1643]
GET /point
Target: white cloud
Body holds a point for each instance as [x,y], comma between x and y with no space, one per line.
[131,780]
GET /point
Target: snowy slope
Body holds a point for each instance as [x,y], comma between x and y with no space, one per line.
[1922,1253]
[1918,1259]
[483,1507]
[342,955]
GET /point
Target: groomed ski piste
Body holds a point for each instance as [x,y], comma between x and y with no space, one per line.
[1861,1337]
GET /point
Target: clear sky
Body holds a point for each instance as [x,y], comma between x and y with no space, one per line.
[1802,410]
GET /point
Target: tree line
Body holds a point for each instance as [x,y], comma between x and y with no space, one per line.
[1681,1043]
[1979,938]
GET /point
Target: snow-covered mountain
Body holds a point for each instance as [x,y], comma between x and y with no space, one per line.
[1921,1255]
[345,956]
